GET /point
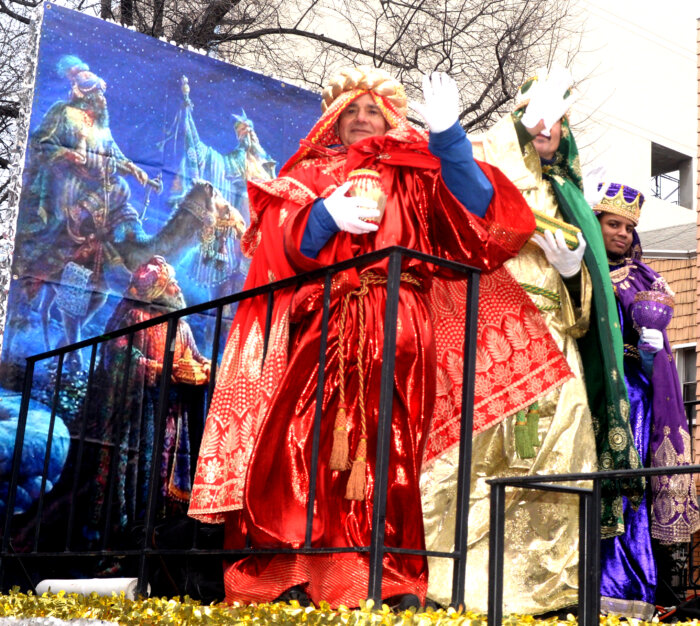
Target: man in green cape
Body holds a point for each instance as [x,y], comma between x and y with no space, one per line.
[579,427]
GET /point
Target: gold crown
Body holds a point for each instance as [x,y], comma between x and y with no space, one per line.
[365,77]
[618,205]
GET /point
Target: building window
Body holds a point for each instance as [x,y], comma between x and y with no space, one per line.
[672,176]
[687,371]
[666,187]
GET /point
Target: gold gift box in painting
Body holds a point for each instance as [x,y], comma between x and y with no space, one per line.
[368,184]
[552,224]
[189,371]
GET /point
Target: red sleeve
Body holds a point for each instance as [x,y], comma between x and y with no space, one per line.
[485,242]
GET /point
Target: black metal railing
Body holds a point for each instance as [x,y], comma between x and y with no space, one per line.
[589,531]
[141,550]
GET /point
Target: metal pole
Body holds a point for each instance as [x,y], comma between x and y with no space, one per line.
[496,552]
[386,398]
[214,356]
[589,557]
[459,571]
[318,414]
[47,454]
[81,446]
[268,324]
[16,464]
[593,551]
[159,427]
[584,557]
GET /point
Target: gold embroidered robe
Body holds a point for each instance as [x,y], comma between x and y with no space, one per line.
[541,559]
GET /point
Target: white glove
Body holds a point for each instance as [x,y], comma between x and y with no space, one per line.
[558,106]
[566,262]
[441,107]
[559,81]
[537,106]
[591,180]
[547,102]
[349,213]
[651,340]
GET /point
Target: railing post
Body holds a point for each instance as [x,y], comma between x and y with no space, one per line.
[153,487]
[465,442]
[318,413]
[81,446]
[584,588]
[16,464]
[386,399]
[214,355]
[119,417]
[268,324]
[591,556]
[47,454]
[496,552]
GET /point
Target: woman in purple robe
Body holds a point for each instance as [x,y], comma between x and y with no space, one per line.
[669,511]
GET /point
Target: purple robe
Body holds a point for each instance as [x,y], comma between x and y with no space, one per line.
[669,511]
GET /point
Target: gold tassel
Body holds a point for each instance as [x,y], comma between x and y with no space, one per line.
[533,423]
[340,452]
[356,482]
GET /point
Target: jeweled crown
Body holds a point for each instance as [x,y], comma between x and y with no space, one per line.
[621,200]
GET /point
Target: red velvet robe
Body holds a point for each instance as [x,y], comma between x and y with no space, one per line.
[256,451]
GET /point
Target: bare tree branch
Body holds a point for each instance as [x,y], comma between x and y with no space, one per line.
[15,16]
[27,3]
[8,110]
[489,46]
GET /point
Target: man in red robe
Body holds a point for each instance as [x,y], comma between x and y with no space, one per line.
[253,470]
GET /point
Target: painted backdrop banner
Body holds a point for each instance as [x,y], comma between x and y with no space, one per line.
[136,163]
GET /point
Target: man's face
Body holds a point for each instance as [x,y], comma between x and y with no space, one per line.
[97,103]
[617,233]
[97,100]
[547,146]
[244,134]
[173,297]
[361,118]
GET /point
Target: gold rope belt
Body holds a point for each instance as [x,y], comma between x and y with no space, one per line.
[541,291]
[340,453]
[631,351]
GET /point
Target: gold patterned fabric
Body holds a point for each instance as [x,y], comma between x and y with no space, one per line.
[541,560]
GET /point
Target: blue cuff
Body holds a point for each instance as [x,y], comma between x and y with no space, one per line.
[320,227]
[460,172]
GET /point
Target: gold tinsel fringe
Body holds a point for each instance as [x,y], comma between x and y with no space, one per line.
[71,606]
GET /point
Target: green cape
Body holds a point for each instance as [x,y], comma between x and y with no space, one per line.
[602,347]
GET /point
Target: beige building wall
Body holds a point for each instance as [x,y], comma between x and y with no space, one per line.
[681,276]
[639,70]
[636,66]
[697,283]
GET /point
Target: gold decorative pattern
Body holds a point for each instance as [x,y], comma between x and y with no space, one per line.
[235,417]
[620,277]
[675,515]
[617,438]
[543,540]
